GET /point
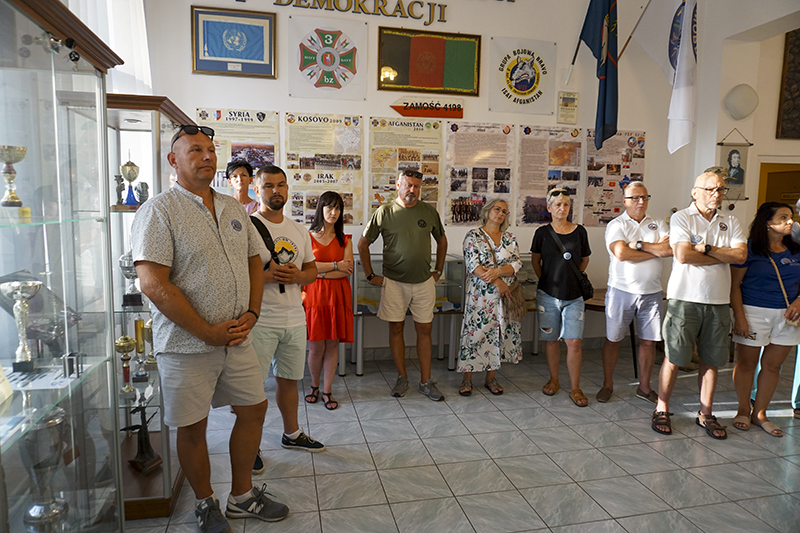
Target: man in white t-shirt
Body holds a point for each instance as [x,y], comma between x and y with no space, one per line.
[279,336]
[636,243]
[705,242]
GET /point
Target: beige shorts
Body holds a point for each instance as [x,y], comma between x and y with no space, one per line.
[398,297]
[191,383]
[283,350]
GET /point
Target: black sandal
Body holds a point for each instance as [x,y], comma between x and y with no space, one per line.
[710,424]
[661,418]
[330,401]
[313,396]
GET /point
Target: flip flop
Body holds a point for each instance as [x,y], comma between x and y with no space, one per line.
[579,398]
[770,428]
[741,422]
[552,385]
[710,424]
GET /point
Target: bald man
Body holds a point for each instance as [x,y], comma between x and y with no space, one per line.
[704,242]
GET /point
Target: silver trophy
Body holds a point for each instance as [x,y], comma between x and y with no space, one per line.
[42,452]
[132,296]
[10,155]
[21,292]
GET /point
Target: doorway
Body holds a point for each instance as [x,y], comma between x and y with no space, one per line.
[779,182]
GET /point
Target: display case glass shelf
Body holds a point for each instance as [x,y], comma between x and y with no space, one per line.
[59,467]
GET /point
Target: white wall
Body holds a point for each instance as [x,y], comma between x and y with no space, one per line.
[644,91]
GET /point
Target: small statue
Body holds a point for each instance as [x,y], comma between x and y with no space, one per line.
[142,190]
[120,187]
[146,459]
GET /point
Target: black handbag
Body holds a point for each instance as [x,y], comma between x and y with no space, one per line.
[587,291]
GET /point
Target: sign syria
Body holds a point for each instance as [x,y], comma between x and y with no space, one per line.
[523,74]
[329,58]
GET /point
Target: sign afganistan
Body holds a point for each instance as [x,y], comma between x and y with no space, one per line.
[524,72]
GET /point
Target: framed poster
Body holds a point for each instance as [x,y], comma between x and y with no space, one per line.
[232,42]
[428,61]
[733,158]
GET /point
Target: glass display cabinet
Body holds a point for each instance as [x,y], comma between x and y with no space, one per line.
[449,301]
[530,283]
[59,431]
[139,132]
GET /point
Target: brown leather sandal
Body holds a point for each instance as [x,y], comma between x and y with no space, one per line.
[466,387]
[661,418]
[710,424]
[493,386]
[579,398]
[552,385]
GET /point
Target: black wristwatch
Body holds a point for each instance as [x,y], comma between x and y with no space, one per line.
[369,278]
[639,245]
[707,250]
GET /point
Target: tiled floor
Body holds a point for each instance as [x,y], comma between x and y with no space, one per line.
[522,461]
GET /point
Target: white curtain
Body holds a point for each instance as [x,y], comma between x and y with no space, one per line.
[121,25]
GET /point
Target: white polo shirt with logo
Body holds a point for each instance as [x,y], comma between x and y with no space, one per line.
[709,284]
[642,277]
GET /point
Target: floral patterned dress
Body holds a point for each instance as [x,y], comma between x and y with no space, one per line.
[487,339]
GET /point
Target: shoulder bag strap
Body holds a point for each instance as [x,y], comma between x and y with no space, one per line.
[785,297]
[491,247]
[563,251]
[269,243]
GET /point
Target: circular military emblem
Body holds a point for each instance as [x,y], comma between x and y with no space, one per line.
[436,125]
[723,226]
[203,114]
[507,129]
[327,58]
[652,226]
[695,239]
[290,118]
[237,226]
[527,130]
[785,261]
[567,256]
[375,122]
[522,75]
[234,40]
[454,127]
[631,141]
[421,223]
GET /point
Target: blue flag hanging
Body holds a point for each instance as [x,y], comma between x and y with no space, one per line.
[232,40]
[600,35]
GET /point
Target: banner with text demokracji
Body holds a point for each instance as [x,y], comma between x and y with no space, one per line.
[429,12]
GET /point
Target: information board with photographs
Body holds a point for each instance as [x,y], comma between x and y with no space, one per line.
[549,157]
[404,144]
[479,166]
[608,171]
[247,134]
[323,153]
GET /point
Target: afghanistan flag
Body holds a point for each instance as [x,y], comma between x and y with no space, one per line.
[445,62]
[600,35]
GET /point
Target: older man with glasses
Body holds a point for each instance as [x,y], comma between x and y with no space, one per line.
[636,243]
[705,242]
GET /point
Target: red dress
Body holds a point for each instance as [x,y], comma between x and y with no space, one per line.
[329,302]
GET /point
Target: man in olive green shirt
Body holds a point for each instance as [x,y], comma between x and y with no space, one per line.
[406,225]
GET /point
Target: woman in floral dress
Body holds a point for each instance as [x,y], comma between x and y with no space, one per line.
[487,338]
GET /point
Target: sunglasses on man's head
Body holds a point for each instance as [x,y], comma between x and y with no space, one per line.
[191,129]
[412,174]
[555,193]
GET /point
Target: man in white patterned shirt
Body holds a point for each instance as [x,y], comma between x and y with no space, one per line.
[636,243]
[197,258]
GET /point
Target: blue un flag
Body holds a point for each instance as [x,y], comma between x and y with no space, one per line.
[600,35]
[232,40]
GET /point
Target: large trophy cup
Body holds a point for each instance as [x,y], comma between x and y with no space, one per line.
[129,173]
[21,292]
[10,155]
[141,374]
[42,452]
[124,345]
[132,296]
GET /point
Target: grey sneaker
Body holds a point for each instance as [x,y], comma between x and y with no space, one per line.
[302,442]
[400,387]
[257,506]
[209,517]
[429,389]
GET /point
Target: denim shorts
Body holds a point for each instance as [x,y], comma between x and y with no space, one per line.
[559,319]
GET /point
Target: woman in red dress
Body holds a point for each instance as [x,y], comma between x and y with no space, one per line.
[329,300]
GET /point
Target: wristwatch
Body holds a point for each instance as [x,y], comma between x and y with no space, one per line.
[707,250]
[335,266]
[437,272]
[639,245]
[369,278]
[322,275]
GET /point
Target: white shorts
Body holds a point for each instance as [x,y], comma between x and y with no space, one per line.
[768,326]
[398,297]
[191,383]
[284,350]
[623,307]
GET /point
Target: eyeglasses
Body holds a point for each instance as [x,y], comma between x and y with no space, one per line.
[500,210]
[412,174]
[714,190]
[556,192]
[191,129]
[637,198]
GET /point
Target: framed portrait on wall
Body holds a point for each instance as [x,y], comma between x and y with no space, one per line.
[428,61]
[733,157]
[233,42]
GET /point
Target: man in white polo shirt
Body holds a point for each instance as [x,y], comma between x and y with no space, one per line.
[636,243]
[705,243]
